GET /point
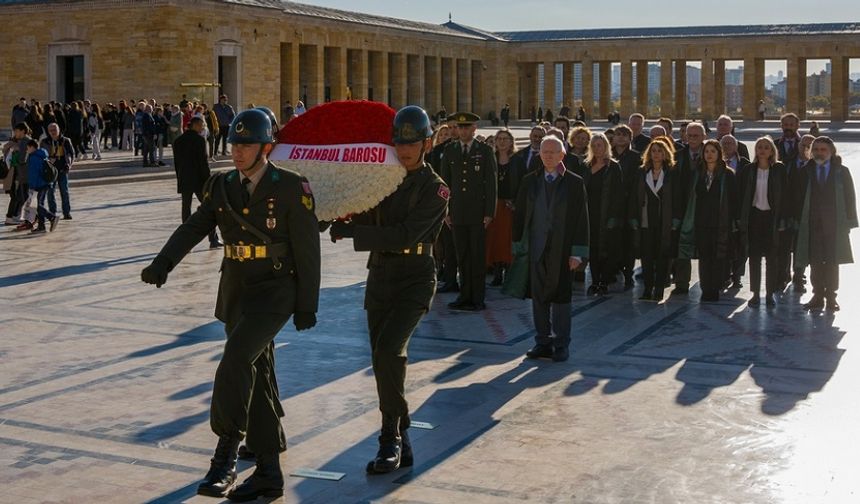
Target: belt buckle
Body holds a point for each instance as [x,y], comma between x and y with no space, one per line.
[419,249]
[260,251]
[242,252]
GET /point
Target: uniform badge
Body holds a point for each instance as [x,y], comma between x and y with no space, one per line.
[308,202]
[443,192]
[306,187]
[477,168]
[271,222]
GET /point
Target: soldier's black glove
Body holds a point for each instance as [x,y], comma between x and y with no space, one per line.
[340,229]
[324,224]
[156,273]
[304,320]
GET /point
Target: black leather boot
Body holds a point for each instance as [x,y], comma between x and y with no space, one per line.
[390,447]
[266,481]
[222,469]
[245,453]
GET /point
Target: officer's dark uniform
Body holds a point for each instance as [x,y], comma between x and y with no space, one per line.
[401,282]
[472,178]
[270,271]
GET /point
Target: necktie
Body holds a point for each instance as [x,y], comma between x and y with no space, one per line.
[465,150]
[695,157]
[246,195]
[789,145]
[550,178]
[821,177]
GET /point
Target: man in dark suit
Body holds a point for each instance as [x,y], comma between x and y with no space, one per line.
[448,254]
[737,163]
[630,161]
[825,212]
[469,169]
[192,169]
[640,140]
[527,158]
[552,211]
[688,161]
[726,126]
[270,273]
[669,126]
[794,157]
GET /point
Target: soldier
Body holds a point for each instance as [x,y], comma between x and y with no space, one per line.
[469,168]
[271,271]
[399,233]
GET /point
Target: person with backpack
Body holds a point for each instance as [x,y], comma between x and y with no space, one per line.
[41,173]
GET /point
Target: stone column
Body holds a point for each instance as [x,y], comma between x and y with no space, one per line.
[549,87]
[379,75]
[719,87]
[642,87]
[795,92]
[449,85]
[397,74]
[839,88]
[464,85]
[357,73]
[605,100]
[588,88]
[751,90]
[626,88]
[314,78]
[706,93]
[680,89]
[415,81]
[478,104]
[290,82]
[666,93]
[567,87]
[433,86]
[335,71]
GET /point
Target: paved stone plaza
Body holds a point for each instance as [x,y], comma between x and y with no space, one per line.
[105,384]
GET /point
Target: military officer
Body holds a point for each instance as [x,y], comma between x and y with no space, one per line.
[469,168]
[399,233]
[270,272]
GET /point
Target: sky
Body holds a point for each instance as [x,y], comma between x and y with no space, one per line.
[503,15]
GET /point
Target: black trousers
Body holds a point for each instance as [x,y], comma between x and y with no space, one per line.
[223,132]
[711,276]
[470,241]
[14,208]
[655,264]
[825,279]
[449,255]
[186,211]
[245,399]
[390,330]
[761,245]
[548,317]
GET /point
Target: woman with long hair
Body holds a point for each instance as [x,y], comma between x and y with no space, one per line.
[95,124]
[762,187]
[653,215]
[500,230]
[710,221]
[606,211]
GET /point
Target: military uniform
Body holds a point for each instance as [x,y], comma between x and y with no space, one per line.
[471,176]
[260,289]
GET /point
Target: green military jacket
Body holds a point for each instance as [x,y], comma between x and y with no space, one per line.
[282,207]
[473,182]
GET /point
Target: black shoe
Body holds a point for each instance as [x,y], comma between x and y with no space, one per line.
[266,481]
[161,163]
[754,301]
[469,307]
[832,305]
[456,305]
[816,303]
[222,469]
[646,296]
[497,279]
[592,290]
[54,221]
[479,307]
[560,354]
[602,290]
[540,351]
[449,287]
[246,454]
[680,291]
[737,285]
[39,230]
[390,447]
[770,300]
[406,456]
[67,216]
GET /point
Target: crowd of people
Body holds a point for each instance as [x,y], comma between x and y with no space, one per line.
[786,204]
[69,132]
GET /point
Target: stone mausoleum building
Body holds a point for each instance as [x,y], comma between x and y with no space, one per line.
[268,52]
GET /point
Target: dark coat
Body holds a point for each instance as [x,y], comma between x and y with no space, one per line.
[695,240]
[641,142]
[845,205]
[257,285]
[190,162]
[411,215]
[613,211]
[570,220]
[671,217]
[473,182]
[777,192]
